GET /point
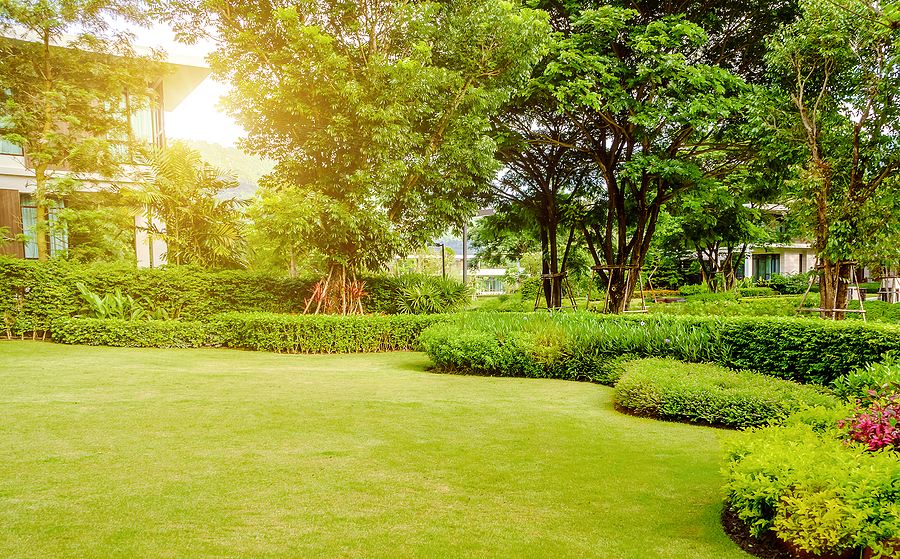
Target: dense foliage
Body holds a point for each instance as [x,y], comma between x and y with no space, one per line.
[35,295]
[376,112]
[180,202]
[69,108]
[817,492]
[322,333]
[258,331]
[130,333]
[573,346]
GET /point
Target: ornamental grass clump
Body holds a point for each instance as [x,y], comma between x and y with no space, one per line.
[582,346]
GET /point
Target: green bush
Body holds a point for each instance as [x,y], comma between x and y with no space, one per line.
[806,350]
[720,296]
[876,311]
[688,290]
[803,350]
[34,295]
[874,377]
[872,287]
[259,331]
[529,289]
[322,333]
[789,284]
[816,492]
[760,306]
[504,303]
[756,292]
[711,394]
[131,333]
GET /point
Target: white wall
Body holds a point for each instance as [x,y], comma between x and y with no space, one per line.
[149,255]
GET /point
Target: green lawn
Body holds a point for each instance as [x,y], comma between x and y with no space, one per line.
[108,452]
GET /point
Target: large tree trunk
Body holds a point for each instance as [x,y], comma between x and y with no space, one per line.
[630,256]
[41,226]
[833,288]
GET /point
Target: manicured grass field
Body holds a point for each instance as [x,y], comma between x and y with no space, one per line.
[108,452]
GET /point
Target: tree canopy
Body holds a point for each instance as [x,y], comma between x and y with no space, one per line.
[838,73]
[377,108]
[178,195]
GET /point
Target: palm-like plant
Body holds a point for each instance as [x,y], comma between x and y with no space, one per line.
[431,294]
[179,197]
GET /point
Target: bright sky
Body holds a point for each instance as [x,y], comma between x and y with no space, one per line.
[196,118]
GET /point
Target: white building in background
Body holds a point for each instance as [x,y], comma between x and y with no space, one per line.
[798,257]
[489,281]
[17,210]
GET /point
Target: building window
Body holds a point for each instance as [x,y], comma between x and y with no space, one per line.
[9,148]
[492,285]
[57,237]
[145,124]
[765,265]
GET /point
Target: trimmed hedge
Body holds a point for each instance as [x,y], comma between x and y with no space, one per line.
[711,394]
[322,333]
[756,292]
[258,331]
[577,345]
[806,350]
[725,305]
[134,333]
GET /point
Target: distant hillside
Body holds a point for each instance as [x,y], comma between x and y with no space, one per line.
[248,168]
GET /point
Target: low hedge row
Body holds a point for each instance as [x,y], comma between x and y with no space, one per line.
[711,394]
[727,304]
[135,333]
[258,331]
[806,350]
[322,333]
[575,345]
[815,491]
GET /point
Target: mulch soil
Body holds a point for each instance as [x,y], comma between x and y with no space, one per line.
[765,547]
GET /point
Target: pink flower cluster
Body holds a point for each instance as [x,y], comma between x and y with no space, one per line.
[876,426]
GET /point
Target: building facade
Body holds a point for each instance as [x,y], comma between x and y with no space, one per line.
[17,183]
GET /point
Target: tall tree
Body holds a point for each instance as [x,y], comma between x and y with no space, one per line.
[717,228]
[652,90]
[543,176]
[62,94]
[839,70]
[381,106]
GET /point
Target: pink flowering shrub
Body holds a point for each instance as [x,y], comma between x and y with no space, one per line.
[875,426]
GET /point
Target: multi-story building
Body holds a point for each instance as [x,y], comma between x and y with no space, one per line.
[17,182]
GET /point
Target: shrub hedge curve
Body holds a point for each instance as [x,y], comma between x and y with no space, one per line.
[565,345]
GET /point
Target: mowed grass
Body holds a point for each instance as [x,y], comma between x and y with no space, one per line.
[110,452]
